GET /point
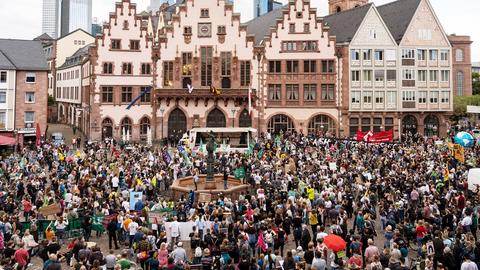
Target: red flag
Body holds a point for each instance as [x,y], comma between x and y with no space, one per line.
[378,137]
[37,142]
[261,242]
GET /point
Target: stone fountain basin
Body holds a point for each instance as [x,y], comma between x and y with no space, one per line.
[209,191]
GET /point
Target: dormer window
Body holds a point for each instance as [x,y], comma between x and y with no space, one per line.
[291,28]
[125,25]
[187,30]
[204,13]
[221,30]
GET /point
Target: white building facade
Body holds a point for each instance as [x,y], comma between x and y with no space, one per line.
[7,99]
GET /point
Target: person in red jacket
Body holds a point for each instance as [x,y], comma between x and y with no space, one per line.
[27,207]
[21,256]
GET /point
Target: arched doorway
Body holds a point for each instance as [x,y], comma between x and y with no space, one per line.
[177,124]
[126,128]
[216,118]
[409,125]
[107,128]
[322,123]
[144,128]
[431,125]
[245,120]
[280,122]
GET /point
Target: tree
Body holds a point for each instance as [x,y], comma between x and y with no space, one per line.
[460,104]
[476,83]
[51,100]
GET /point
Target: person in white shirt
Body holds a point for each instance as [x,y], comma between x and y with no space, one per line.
[132,230]
[174,231]
[115,182]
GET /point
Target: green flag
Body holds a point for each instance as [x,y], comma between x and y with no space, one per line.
[239,173]
[260,154]
[277,140]
[249,151]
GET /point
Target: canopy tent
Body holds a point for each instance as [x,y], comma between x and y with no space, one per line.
[4,140]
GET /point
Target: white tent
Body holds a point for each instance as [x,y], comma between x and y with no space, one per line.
[474,179]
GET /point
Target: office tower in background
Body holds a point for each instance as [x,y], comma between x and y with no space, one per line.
[75,14]
[50,22]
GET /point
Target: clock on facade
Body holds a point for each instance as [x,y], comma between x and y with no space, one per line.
[204,30]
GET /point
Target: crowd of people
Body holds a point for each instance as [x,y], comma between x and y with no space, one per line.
[396,206]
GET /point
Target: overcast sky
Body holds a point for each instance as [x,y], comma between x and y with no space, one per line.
[23,18]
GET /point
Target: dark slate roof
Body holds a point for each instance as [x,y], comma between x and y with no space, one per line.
[398,15]
[23,54]
[5,63]
[77,58]
[260,26]
[345,24]
[43,37]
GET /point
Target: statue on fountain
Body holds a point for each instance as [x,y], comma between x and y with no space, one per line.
[210,181]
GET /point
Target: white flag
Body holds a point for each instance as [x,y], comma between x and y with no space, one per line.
[190,88]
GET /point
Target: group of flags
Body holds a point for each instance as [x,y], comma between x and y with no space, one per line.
[213,90]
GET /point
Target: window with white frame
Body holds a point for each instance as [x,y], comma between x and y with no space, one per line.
[3,76]
[367,97]
[444,55]
[378,55]
[379,97]
[391,97]
[367,75]
[445,97]
[408,74]
[458,55]
[424,34]
[445,75]
[355,75]
[379,75]
[434,97]
[391,55]
[434,75]
[422,76]
[408,54]
[29,117]
[3,120]
[355,55]
[356,97]
[30,77]
[408,95]
[433,55]
[422,97]
[367,54]
[29,97]
[460,83]
[3,97]
[421,55]
[391,75]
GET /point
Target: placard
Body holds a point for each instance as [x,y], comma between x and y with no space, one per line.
[51,209]
[204,197]
[430,248]
[332,166]
[134,197]
[155,217]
